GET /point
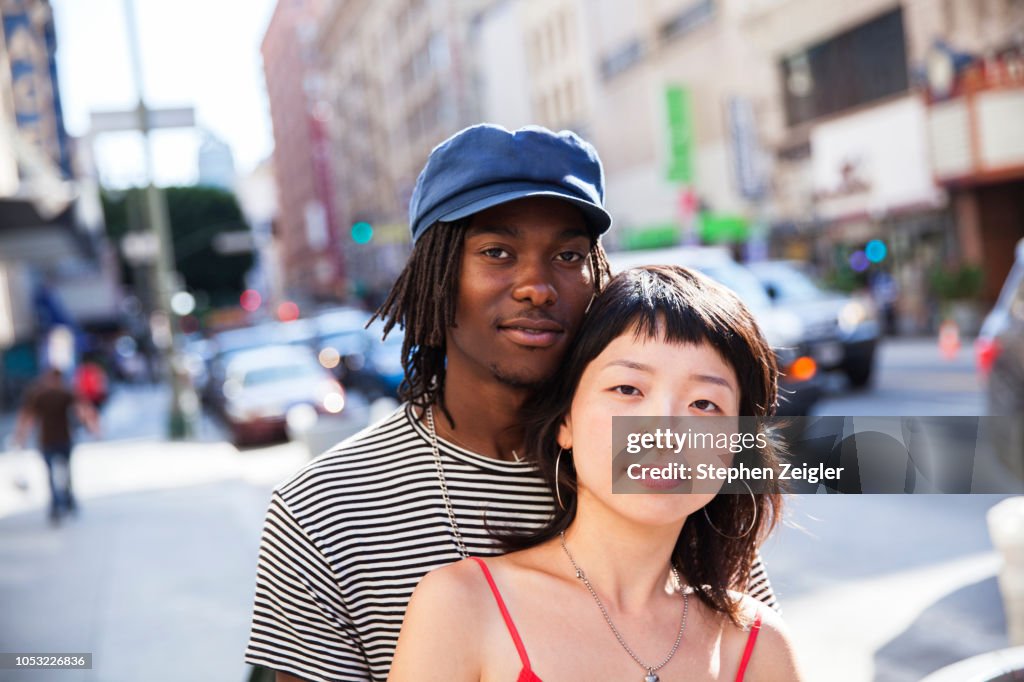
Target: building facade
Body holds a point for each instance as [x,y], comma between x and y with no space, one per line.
[56,270]
[800,129]
[398,77]
[306,223]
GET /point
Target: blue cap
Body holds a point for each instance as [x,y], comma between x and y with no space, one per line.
[486,165]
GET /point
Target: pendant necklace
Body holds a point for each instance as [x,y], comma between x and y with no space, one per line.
[651,670]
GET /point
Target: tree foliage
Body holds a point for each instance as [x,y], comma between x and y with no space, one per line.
[197,215]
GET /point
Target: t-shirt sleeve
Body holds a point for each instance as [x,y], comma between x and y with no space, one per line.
[759,587]
[300,624]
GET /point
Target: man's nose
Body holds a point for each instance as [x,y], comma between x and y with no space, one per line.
[535,284]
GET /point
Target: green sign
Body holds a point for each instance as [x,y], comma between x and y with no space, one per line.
[680,134]
[649,236]
[717,228]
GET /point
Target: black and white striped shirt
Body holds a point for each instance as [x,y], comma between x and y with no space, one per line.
[348,537]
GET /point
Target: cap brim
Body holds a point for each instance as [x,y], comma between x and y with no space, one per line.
[596,217]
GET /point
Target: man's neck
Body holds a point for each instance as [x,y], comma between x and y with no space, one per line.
[486,416]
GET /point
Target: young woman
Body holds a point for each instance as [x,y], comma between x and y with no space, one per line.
[621,587]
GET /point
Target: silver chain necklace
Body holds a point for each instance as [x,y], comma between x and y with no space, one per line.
[456,533]
[651,669]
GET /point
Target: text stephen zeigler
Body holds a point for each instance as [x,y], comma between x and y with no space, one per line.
[667,439]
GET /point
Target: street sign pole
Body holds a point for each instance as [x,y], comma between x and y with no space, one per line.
[164,325]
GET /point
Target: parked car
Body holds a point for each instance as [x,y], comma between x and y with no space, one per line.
[223,347]
[359,357]
[999,351]
[261,386]
[385,357]
[842,332]
[800,385]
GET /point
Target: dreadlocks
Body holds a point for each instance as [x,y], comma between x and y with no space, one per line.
[422,301]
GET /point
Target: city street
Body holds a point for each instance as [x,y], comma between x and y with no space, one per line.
[913,379]
[155,575]
[192,242]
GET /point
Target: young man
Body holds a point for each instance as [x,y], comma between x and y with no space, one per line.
[506,258]
[49,404]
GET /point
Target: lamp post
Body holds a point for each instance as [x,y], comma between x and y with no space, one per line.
[163,323]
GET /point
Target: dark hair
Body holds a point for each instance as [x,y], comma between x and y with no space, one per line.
[422,301]
[686,308]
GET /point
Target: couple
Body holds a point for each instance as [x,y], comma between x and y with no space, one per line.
[506,263]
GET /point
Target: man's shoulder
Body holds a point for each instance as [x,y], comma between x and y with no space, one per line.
[353,462]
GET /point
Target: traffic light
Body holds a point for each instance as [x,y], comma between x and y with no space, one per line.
[876,251]
[362,232]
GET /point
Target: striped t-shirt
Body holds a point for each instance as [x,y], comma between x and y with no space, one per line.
[348,537]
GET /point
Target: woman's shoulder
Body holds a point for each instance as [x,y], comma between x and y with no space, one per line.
[772,657]
[450,598]
[460,583]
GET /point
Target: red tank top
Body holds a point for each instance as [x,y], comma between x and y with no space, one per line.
[527,674]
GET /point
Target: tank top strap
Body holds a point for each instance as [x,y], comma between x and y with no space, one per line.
[755,628]
[516,639]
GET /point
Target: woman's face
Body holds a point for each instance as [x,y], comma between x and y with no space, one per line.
[643,378]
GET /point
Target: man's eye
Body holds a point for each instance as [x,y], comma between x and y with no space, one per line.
[495,252]
[570,256]
[626,389]
[705,406]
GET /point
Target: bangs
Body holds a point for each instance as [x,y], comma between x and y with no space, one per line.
[681,307]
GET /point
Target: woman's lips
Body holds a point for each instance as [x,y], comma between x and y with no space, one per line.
[658,484]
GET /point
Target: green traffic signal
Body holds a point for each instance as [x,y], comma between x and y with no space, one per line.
[362,233]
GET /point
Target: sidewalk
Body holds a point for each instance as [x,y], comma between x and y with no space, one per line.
[155,575]
[155,582]
[887,587]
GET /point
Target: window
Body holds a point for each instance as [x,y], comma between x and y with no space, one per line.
[859,66]
[622,59]
[690,19]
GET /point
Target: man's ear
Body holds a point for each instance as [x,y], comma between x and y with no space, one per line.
[565,433]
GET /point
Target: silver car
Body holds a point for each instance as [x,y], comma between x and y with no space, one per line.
[262,385]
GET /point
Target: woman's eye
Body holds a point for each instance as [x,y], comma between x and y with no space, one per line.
[705,405]
[625,389]
[570,256]
[495,252]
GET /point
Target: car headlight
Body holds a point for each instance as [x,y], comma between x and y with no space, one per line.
[332,397]
[334,402]
[851,315]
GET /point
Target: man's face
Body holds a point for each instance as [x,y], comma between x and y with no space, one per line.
[524,285]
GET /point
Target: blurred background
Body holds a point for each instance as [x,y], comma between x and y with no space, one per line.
[201,201]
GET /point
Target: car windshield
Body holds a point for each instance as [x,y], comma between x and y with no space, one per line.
[740,280]
[245,338]
[791,285]
[274,373]
[346,342]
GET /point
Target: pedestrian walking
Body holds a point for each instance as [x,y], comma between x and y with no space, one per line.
[49,406]
[506,259]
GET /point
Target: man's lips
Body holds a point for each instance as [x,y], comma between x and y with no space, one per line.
[532,333]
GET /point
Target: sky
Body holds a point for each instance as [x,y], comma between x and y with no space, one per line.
[200,53]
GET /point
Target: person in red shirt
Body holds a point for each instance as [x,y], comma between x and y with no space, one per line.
[91,383]
[48,404]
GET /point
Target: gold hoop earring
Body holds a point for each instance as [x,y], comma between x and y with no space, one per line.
[753,521]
